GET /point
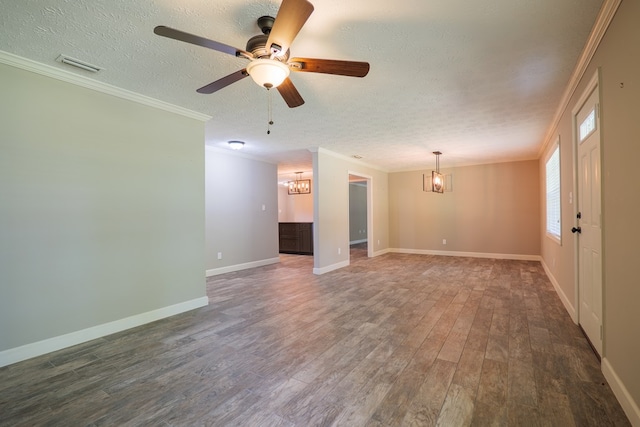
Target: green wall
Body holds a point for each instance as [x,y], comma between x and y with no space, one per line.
[101,208]
[241,212]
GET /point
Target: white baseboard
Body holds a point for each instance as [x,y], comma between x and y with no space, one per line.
[432,252]
[331,267]
[563,297]
[629,406]
[381,252]
[18,354]
[239,267]
[467,254]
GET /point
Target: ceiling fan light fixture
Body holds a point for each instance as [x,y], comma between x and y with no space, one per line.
[268,73]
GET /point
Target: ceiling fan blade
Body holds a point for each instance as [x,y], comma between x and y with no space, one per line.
[330,66]
[223,82]
[290,94]
[289,20]
[172,33]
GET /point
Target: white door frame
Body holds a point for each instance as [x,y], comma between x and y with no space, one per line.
[594,84]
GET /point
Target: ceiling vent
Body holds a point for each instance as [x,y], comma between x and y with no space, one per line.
[78,63]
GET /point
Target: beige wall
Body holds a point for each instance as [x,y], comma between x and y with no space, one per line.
[101,209]
[331,209]
[294,207]
[493,209]
[619,62]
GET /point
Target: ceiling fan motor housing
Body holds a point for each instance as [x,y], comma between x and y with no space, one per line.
[257,46]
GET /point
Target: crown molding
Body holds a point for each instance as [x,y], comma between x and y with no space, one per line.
[237,153]
[347,158]
[603,20]
[468,163]
[78,80]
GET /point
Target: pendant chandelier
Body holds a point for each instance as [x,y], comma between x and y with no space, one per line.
[435,182]
[299,185]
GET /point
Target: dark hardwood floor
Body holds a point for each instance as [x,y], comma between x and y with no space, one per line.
[393,340]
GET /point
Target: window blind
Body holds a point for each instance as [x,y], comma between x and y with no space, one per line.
[553,193]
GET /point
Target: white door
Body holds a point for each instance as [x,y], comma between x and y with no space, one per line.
[589,220]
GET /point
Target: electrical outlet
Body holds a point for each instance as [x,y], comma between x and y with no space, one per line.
[219,255]
[444,241]
[339,251]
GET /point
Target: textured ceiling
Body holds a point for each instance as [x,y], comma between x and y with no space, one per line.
[477,80]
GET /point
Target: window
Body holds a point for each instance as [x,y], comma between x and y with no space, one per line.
[553,193]
[588,125]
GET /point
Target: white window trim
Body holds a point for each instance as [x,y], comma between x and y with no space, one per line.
[552,149]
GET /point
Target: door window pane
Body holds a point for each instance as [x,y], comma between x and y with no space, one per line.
[588,125]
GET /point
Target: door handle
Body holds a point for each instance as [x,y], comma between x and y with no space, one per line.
[576,230]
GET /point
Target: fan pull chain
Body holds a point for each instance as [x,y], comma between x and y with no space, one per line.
[269,112]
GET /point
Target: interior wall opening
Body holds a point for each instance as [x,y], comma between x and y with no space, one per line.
[359,216]
[295,215]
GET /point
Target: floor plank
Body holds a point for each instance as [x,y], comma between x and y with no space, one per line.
[399,339]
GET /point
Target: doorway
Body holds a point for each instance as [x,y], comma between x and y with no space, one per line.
[588,229]
[360,221]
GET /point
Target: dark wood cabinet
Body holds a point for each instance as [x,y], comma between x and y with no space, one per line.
[296,238]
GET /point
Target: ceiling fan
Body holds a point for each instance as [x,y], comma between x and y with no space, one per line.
[268,53]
